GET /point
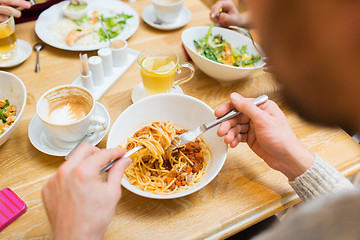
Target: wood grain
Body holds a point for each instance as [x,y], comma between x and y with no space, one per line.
[245,191]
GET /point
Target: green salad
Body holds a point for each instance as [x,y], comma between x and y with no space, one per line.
[217,49]
[114,24]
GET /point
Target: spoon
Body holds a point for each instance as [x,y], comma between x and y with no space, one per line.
[158,21]
[247,34]
[38,47]
[87,135]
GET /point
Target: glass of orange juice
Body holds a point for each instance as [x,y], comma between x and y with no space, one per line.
[158,68]
[7,34]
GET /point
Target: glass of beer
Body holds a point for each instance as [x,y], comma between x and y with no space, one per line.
[7,34]
[158,68]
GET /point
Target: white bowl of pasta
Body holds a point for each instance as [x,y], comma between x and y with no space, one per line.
[222,69]
[153,122]
[12,104]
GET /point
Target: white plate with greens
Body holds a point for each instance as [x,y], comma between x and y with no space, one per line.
[52,26]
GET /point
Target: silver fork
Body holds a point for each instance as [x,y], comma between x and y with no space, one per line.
[190,136]
[127,154]
[32,2]
[248,34]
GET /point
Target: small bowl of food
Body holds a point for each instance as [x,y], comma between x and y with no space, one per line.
[154,122]
[75,9]
[221,53]
[12,104]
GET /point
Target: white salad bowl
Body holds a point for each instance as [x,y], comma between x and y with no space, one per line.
[216,70]
[184,112]
[13,89]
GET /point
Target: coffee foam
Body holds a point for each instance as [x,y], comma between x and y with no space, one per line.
[66,105]
[65,111]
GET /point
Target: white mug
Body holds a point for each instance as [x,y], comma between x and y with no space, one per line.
[168,10]
[68,112]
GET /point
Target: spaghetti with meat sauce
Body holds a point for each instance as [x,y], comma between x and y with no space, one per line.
[154,170]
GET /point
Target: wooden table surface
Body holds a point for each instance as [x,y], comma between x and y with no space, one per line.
[245,192]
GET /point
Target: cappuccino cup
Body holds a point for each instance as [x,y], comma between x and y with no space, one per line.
[168,10]
[68,113]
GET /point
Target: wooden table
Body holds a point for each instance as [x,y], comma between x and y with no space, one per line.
[245,192]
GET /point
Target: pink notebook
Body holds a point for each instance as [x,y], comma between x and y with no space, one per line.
[11,207]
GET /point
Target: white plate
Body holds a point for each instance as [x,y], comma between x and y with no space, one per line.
[23,51]
[45,142]
[149,17]
[183,111]
[53,14]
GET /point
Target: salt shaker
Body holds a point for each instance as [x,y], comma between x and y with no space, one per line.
[106,57]
[97,70]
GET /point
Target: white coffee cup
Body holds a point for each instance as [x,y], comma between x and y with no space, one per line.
[168,10]
[68,112]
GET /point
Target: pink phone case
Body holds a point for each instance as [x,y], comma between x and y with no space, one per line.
[11,207]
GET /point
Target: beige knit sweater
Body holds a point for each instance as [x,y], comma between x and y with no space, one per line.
[334,214]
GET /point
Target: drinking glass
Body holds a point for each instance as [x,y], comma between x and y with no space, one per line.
[158,68]
[7,34]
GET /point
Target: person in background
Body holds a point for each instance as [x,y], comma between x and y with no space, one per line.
[13,6]
[299,37]
[224,13]
[34,12]
[23,11]
[319,79]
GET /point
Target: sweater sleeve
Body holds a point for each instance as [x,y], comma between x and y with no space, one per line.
[319,179]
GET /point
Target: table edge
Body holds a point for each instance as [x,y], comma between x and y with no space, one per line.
[264,213]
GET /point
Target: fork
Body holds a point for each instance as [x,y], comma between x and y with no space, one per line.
[248,34]
[127,154]
[190,136]
[104,29]
[32,2]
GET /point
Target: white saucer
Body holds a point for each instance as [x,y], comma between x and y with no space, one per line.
[149,17]
[23,51]
[47,143]
[139,92]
